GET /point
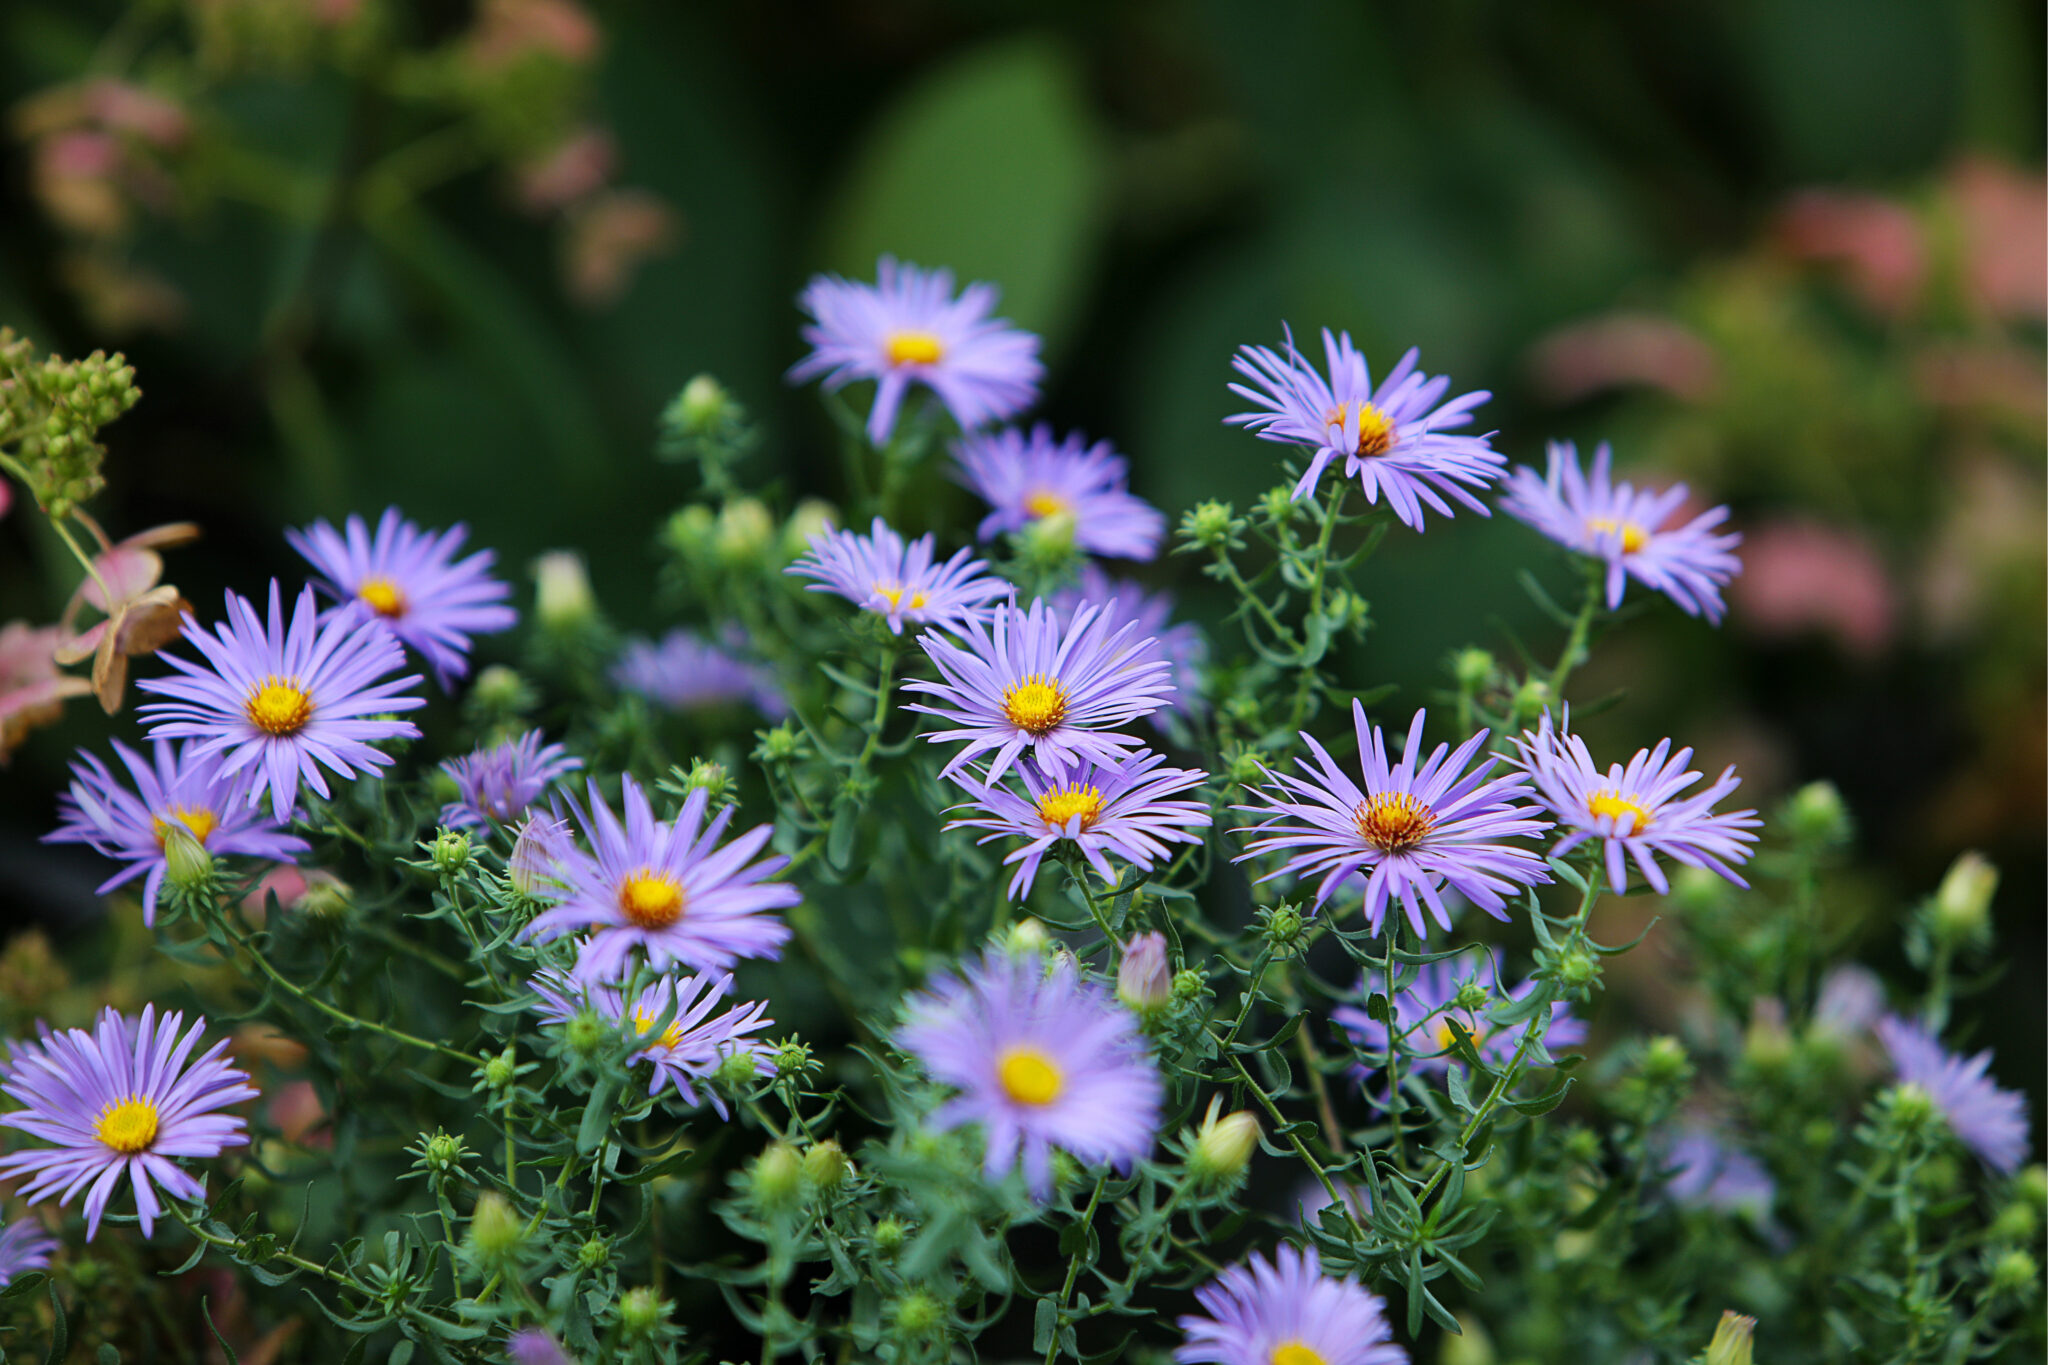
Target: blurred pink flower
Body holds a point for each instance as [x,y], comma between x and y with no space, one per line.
[609,237]
[1621,349]
[574,169]
[141,616]
[1803,576]
[1878,241]
[1992,533]
[508,30]
[2005,221]
[120,107]
[32,691]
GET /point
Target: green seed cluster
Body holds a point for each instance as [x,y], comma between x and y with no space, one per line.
[51,411]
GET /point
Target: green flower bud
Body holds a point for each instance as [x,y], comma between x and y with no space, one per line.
[1047,543]
[1907,1110]
[496,1232]
[1243,768]
[782,744]
[1471,1346]
[1532,697]
[501,689]
[1029,938]
[745,531]
[918,1314]
[1278,506]
[689,529]
[710,778]
[1962,905]
[1211,525]
[1187,984]
[451,851]
[1283,926]
[1473,668]
[1731,1344]
[793,1057]
[642,1313]
[811,519]
[826,1166]
[1817,814]
[2014,1270]
[2033,1186]
[1766,1045]
[1665,1061]
[562,600]
[442,1153]
[1696,891]
[593,1253]
[1472,997]
[501,1070]
[187,864]
[736,1073]
[1582,1144]
[1222,1147]
[587,1033]
[776,1178]
[1577,969]
[325,897]
[1144,978]
[699,408]
[890,1236]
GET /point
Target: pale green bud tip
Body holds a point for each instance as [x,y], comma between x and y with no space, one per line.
[1578,968]
[1908,1107]
[744,531]
[642,1311]
[1472,997]
[890,1236]
[2033,1186]
[826,1166]
[495,1231]
[1144,979]
[1532,696]
[325,896]
[690,528]
[1817,813]
[1962,906]
[451,851]
[593,1253]
[1695,890]
[1028,938]
[1283,926]
[777,1176]
[735,1074]
[1278,504]
[706,776]
[1665,1060]
[501,689]
[1223,1145]
[1472,668]
[1471,1345]
[587,1032]
[186,862]
[561,595]
[1211,524]
[1731,1344]
[699,407]
[811,519]
[919,1314]
[2014,1269]
[500,1070]
[442,1153]
[1187,984]
[1048,541]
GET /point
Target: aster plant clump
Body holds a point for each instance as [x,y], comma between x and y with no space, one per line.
[934,943]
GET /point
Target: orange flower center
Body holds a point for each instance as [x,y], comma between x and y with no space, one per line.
[383,596]
[1616,805]
[1375,432]
[1393,822]
[643,1024]
[199,820]
[650,899]
[1037,705]
[128,1126]
[914,348]
[1633,536]
[1062,804]
[280,707]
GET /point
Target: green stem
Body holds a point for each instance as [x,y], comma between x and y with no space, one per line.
[1575,643]
[1052,1349]
[1396,1109]
[1280,1121]
[1244,590]
[1322,559]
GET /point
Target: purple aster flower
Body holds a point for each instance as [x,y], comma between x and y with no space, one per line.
[182,786]
[908,328]
[1042,1060]
[498,784]
[539,851]
[1851,1001]
[1124,601]
[1287,1312]
[412,582]
[1706,1172]
[686,671]
[1043,683]
[1626,527]
[666,889]
[1638,810]
[1988,1120]
[1425,1009]
[24,1246]
[1415,826]
[1393,439]
[900,582]
[1122,808]
[1026,478]
[692,1044]
[122,1099]
[280,701]
[534,1346]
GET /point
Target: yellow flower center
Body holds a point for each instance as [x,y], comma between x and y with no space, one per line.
[1037,705]
[1045,503]
[1633,536]
[1296,1353]
[1062,804]
[1393,822]
[650,899]
[643,1024]
[199,820]
[894,596]
[914,348]
[1028,1076]
[280,707]
[128,1126]
[1617,805]
[383,596]
[1375,432]
[1445,1037]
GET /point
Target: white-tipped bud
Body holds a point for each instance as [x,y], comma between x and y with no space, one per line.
[562,599]
[1144,979]
[1223,1146]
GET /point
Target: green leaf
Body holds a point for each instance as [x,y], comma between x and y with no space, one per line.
[1544,1103]
[1045,1321]
[206,1311]
[991,166]
[60,1330]
[596,1116]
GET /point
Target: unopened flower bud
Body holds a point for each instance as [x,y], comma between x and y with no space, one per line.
[451,851]
[793,1057]
[562,599]
[642,1312]
[495,1231]
[2014,1270]
[1696,891]
[1817,814]
[501,689]
[1210,525]
[1047,543]
[779,745]
[2016,1222]
[1962,905]
[1473,668]
[501,1070]
[1731,1344]
[1471,1345]
[811,519]
[745,530]
[710,778]
[1766,1045]
[1144,979]
[1283,926]
[1472,997]
[2033,1186]
[586,1032]
[918,1314]
[1532,697]
[890,1236]
[777,1176]
[1223,1145]
[1028,938]
[1278,506]
[736,1073]
[1665,1061]
[187,864]
[594,1252]
[826,1166]
[1907,1109]
[1577,968]
[1243,768]
[325,897]
[690,529]
[1187,984]
[699,408]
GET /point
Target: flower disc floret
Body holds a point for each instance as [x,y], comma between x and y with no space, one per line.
[899,581]
[1413,827]
[1028,477]
[1397,439]
[908,328]
[126,1099]
[411,581]
[278,700]
[1630,529]
[178,785]
[666,890]
[1041,1060]
[1286,1311]
[1038,682]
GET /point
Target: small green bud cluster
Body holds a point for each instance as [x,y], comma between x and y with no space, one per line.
[1817,815]
[450,852]
[643,1315]
[784,743]
[496,1234]
[707,424]
[1959,916]
[51,411]
[440,1154]
[1213,526]
[1283,926]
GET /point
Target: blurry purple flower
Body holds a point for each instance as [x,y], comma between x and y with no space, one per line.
[1707,1172]
[24,1246]
[685,671]
[498,784]
[1988,1120]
